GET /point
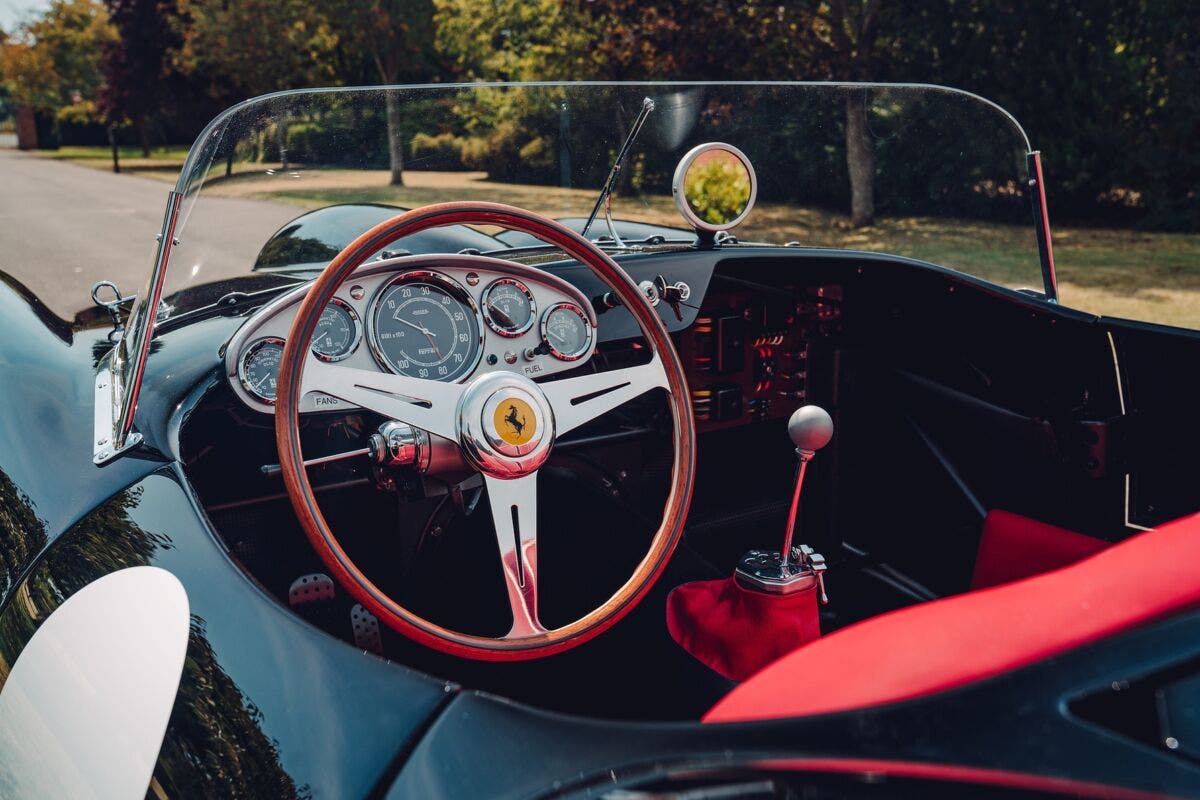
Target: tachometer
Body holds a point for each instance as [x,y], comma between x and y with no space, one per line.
[337,333]
[567,331]
[425,325]
[508,307]
[258,368]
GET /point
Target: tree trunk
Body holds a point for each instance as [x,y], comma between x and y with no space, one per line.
[112,142]
[395,144]
[144,135]
[860,162]
[281,140]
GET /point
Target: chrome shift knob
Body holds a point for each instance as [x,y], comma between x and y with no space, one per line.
[792,568]
[810,429]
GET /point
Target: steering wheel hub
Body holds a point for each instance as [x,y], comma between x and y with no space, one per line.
[505,425]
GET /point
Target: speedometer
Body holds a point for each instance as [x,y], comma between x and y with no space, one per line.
[425,325]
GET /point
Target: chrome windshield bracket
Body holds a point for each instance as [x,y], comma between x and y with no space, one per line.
[119,376]
[1041,223]
[106,442]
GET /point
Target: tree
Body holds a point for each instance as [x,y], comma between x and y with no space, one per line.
[848,40]
[52,63]
[136,66]
[520,40]
[852,34]
[253,47]
[397,37]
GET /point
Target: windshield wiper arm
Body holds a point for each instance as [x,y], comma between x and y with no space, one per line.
[615,173]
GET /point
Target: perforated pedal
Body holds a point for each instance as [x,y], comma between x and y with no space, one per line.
[366,630]
[308,589]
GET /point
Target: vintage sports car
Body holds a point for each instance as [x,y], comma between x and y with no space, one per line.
[680,488]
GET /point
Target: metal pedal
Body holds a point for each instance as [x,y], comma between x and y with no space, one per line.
[366,630]
[308,589]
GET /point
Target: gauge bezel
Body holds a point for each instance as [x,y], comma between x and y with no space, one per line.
[496,326]
[248,351]
[587,327]
[356,336]
[453,288]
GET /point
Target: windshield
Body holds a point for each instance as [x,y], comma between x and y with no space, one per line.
[914,170]
[943,172]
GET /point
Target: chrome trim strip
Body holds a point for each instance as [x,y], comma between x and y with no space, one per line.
[1112,346]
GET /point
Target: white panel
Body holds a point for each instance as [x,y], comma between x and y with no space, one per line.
[84,710]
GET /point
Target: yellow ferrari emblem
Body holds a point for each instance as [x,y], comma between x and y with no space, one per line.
[514,421]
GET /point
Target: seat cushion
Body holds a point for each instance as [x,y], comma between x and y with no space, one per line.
[942,644]
[1014,547]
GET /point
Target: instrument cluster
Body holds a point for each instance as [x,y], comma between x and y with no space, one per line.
[439,322]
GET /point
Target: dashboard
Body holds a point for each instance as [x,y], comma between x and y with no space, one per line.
[751,351]
[438,318]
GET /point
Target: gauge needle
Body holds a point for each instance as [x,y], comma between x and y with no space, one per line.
[501,317]
[421,328]
[264,379]
[556,336]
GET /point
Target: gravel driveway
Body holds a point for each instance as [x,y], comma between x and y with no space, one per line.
[63,227]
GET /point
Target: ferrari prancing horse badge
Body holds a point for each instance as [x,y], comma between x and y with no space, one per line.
[514,421]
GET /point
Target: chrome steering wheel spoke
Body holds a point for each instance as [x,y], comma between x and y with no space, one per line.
[426,404]
[579,400]
[514,517]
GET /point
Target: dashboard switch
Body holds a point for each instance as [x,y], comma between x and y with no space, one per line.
[731,344]
[726,402]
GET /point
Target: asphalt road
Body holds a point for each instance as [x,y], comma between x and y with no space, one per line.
[63,227]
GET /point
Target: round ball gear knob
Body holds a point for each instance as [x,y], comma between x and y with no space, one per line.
[810,428]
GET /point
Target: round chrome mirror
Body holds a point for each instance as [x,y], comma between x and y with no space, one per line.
[714,186]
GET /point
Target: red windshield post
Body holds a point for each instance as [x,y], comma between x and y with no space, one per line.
[1041,219]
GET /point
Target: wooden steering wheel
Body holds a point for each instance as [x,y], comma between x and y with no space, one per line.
[460,412]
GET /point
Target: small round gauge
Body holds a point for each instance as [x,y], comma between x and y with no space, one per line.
[567,331]
[337,332]
[508,307]
[258,368]
[425,325]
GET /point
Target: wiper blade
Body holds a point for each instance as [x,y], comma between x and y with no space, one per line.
[615,173]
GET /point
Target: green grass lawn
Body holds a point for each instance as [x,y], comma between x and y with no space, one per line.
[163,163]
[1123,273]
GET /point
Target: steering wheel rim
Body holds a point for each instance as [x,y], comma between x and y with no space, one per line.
[529,642]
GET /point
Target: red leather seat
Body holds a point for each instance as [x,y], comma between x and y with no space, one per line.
[942,644]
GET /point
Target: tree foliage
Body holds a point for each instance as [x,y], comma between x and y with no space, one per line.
[53,63]
[252,47]
[138,83]
[1107,88]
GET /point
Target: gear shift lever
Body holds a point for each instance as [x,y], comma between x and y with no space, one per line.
[736,627]
[792,568]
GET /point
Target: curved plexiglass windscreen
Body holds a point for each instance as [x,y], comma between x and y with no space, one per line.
[918,171]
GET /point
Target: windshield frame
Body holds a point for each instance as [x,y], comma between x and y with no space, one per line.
[119,375]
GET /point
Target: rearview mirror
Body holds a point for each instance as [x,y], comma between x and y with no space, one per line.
[714,186]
